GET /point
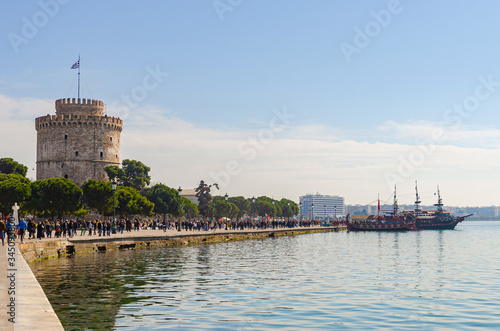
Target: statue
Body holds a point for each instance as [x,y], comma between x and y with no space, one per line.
[15,215]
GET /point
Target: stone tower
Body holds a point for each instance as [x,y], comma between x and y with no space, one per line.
[77,142]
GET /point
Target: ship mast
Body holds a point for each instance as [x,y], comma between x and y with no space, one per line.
[395,202]
[439,205]
[417,202]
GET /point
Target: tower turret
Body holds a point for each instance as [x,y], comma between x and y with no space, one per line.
[78,141]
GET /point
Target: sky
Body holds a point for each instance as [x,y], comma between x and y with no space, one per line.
[275,98]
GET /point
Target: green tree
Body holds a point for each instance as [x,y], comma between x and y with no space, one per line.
[82,212]
[54,197]
[13,188]
[288,208]
[98,195]
[244,205]
[166,199]
[136,174]
[220,208]
[264,206]
[129,201]
[114,173]
[133,174]
[9,166]
[189,209]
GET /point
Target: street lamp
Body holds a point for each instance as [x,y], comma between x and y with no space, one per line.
[273,222]
[253,206]
[324,213]
[227,208]
[289,212]
[300,210]
[335,208]
[180,190]
[113,185]
[312,211]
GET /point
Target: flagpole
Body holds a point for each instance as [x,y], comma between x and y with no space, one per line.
[78,76]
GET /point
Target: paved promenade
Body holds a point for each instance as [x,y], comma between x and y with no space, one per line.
[31,310]
[29,307]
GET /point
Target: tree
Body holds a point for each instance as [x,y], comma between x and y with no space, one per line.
[263,208]
[204,197]
[130,202]
[189,209]
[114,173]
[133,174]
[288,208]
[54,197]
[166,199]
[243,205]
[9,166]
[98,195]
[13,188]
[220,208]
[82,212]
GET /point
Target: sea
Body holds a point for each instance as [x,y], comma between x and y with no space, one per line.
[417,280]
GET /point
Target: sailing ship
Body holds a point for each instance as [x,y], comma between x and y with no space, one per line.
[390,221]
[438,219]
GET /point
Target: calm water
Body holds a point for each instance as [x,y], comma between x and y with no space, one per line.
[414,280]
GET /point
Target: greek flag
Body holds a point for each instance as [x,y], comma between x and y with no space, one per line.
[76,65]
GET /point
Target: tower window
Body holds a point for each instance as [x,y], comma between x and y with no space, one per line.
[116,155]
[66,176]
[110,138]
[62,165]
[76,153]
[65,137]
[102,154]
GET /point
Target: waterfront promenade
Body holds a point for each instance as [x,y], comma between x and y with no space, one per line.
[22,299]
[32,310]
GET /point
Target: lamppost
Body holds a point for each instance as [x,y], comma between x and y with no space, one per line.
[253,206]
[324,213]
[180,190]
[335,208]
[273,221]
[289,212]
[113,185]
[300,210]
[312,211]
[227,208]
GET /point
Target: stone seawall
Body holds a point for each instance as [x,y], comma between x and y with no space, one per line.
[50,248]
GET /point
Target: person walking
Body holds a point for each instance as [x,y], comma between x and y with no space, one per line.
[91,226]
[3,230]
[21,228]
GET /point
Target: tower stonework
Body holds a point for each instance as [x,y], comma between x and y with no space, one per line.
[77,142]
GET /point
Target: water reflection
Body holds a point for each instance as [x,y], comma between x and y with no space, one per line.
[413,280]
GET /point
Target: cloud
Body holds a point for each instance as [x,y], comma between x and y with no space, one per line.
[301,158]
[418,131]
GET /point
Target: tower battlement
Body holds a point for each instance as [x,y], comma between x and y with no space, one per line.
[78,120]
[79,106]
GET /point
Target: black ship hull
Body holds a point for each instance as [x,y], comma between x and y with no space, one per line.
[438,222]
[436,225]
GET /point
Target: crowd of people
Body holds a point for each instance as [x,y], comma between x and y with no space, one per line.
[69,228]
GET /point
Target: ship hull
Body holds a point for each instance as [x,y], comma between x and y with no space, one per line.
[438,223]
[357,229]
[380,224]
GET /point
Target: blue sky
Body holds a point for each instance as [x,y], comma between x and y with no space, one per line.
[358,124]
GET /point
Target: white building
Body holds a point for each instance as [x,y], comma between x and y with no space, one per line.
[322,206]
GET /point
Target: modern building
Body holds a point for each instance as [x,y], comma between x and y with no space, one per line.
[77,142]
[321,205]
